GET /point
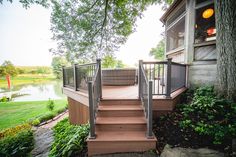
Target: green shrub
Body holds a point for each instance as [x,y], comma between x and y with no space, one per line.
[46,117]
[69,140]
[14,130]
[61,110]
[50,105]
[4,99]
[36,122]
[210,115]
[18,141]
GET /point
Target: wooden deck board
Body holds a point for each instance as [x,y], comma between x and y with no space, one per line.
[120,92]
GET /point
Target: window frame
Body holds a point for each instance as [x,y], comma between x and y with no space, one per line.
[172,24]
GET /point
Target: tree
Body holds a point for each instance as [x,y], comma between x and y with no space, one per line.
[57,64]
[26,3]
[94,28]
[226,47]
[159,51]
[111,62]
[8,68]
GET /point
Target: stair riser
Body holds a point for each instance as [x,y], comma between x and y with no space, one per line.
[121,127]
[120,113]
[106,147]
[120,102]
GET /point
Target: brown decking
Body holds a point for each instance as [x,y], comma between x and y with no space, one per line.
[120,92]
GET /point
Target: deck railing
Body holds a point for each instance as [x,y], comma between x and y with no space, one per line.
[86,78]
[145,91]
[167,76]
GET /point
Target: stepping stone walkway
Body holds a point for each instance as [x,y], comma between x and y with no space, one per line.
[43,136]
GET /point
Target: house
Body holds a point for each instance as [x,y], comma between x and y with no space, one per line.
[120,104]
[191,38]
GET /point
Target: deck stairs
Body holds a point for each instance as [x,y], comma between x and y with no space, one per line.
[120,127]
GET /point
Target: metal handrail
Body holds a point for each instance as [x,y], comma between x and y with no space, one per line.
[145,94]
[95,94]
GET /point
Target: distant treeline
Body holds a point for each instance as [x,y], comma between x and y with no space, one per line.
[34,69]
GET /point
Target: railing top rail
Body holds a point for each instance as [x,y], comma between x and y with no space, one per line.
[155,62]
[88,64]
[69,67]
[174,63]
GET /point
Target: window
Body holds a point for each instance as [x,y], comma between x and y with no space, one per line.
[205,24]
[175,35]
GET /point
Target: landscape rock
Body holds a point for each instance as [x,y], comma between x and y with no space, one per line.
[189,152]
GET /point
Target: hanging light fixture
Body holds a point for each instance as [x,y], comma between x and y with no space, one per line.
[207,13]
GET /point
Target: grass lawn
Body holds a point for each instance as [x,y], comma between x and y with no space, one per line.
[14,113]
[27,79]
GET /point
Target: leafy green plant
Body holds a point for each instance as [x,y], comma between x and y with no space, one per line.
[4,99]
[17,141]
[210,115]
[50,105]
[36,122]
[46,117]
[69,140]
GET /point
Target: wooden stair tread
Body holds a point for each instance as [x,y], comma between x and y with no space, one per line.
[121,136]
[121,120]
[120,107]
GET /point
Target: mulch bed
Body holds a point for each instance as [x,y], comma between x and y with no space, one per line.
[168,131]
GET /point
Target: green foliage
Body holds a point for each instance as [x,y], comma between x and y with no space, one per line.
[57,64]
[26,3]
[110,62]
[159,51]
[7,68]
[210,115]
[4,99]
[94,28]
[69,140]
[17,141]
[35,122]
[34,70]
[50,105]
[46,117]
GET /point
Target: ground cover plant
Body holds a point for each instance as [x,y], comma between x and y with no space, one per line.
[69,140]
[15,113]
[16,141]
[205,121]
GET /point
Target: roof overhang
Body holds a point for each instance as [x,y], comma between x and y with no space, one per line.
[169,10]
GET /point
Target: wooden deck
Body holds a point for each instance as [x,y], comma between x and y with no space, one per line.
[120,92]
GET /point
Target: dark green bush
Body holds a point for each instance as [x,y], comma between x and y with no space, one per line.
[50,105]
[18,145]
[46,117]
[69,140]
[210,115]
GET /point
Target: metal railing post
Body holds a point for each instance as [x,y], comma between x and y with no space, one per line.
[168,81]
[91,111]
[75,77]
[139,79]
[63,76]
[99,77]
[149,123]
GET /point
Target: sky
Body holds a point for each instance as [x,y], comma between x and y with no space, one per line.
[25,36]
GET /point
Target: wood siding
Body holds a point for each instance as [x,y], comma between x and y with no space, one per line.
[78,113]
[205,53]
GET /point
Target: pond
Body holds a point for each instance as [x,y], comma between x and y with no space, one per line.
[35,91]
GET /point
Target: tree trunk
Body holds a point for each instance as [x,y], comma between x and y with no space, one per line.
[225,11]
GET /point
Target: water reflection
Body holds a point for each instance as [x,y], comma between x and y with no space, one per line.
[36,91]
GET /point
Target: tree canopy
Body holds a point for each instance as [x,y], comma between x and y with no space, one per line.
[7,68]
[158,51]
[88,29]
[57,64]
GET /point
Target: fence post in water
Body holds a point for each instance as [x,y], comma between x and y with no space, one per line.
[139,79]
[99,77]
[75,77]
[63,76]
[149,123]
[91,111]
[168,82]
